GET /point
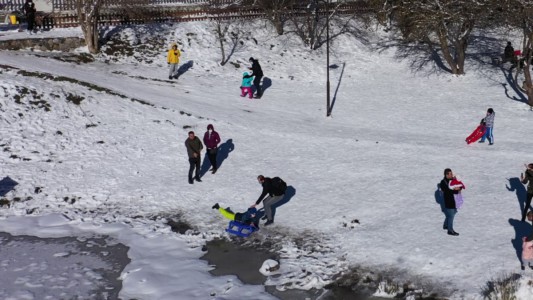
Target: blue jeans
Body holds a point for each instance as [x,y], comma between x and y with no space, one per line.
[450,214]
[488,135]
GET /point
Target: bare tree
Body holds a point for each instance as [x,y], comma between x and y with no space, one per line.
[88,13]
[227,35]
[444,23]
[308,19]
[276,12]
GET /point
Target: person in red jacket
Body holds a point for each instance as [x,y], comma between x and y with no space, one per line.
[211,141]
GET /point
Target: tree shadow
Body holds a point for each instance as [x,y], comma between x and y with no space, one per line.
[514,86]
[515,185]
[337,89]
[289,193]
[184,68]
[7,185]
[521,229]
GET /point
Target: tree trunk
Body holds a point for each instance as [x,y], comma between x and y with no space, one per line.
[90,31]
[443,40]
[220,35]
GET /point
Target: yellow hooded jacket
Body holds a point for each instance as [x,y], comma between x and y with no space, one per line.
[173,56]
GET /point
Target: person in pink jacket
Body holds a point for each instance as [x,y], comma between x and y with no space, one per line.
[527,252]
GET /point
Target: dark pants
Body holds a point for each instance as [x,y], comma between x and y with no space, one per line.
[194,162]
[257,84]
[528,205]
[31,23]
[212,155]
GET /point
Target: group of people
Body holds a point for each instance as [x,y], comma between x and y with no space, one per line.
[451,187]
[194,151]
[249,79]
[273,188]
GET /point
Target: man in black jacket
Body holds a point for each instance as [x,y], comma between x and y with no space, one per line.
[449,201]
[528,178]
[194,148]
[274,196]
[258,73]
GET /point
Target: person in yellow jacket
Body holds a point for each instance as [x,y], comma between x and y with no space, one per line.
[173,59]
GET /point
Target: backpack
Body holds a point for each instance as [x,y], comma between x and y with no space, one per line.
[278,186]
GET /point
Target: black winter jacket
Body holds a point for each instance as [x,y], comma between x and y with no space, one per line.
[256,68]
[267,189]
[449,199]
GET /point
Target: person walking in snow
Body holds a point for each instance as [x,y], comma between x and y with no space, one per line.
[211,141]
[257,73]
[194,148]
[527,179]
[173,59]
[489,124]
[527,252]
[448,194]
[508,54]
[273,192]
[246,85]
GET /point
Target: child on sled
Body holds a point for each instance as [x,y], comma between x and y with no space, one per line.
[248,217]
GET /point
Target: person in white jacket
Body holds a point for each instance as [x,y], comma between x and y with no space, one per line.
[489,123]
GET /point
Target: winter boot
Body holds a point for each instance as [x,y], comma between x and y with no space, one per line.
[216,206]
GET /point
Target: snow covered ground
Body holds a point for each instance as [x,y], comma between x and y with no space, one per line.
[102,145]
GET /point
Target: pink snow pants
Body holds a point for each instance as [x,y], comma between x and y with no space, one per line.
[246,89]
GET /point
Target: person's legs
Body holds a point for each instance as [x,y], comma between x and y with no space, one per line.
[213,159]
[198,161]
[172,70]
[528,205]
[243,91]
[257,84]
[267,204]
[250,92]
[450,215]
[227,214]
[489,135]
[192,164]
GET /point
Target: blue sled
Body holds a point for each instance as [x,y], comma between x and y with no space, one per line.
[240,229]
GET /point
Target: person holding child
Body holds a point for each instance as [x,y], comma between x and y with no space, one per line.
[450,207]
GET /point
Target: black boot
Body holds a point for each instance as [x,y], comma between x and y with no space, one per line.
[197,178]
[191,181]
[216,206]
[453,233]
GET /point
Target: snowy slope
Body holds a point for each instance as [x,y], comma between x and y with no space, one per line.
[377,160]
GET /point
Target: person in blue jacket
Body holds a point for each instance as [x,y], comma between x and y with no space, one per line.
[246,85]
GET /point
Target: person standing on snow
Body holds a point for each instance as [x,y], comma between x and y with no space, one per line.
[246,85]
[449,201]
[211,141]
[173,59]
[257,72]
[275,189]
[489,124]
[194,148]
[29,10]
[528,178]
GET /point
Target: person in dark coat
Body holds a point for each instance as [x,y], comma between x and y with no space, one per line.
[449,201]
[258,73]
[269,196]
[194,148]
[29,10]
[211,141]
[508,54]
[527,179]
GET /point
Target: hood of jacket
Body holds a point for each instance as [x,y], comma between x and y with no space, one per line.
[210,126]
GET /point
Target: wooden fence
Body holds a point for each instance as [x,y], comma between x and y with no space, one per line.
[110,18]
